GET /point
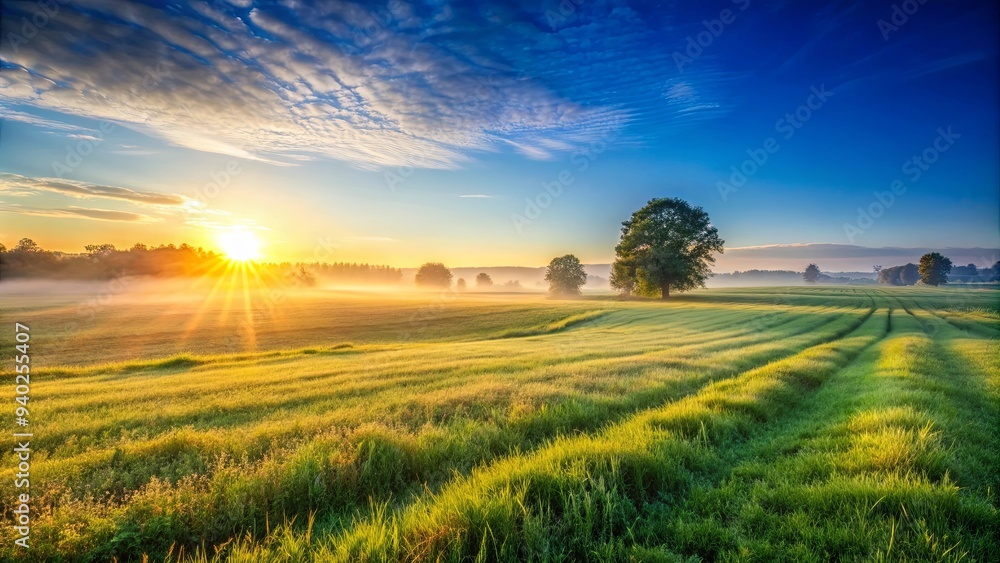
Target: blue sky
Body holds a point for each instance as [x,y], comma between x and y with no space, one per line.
[405,132]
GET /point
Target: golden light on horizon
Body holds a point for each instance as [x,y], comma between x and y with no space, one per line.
[239,244]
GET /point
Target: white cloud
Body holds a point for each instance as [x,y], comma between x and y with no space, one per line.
[267,89]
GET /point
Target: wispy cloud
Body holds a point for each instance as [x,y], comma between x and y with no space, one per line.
[22,117]
[15,184]
[478,196]
[79,213]
[156,206]
[331,79]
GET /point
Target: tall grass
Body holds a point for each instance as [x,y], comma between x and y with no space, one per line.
[618,431]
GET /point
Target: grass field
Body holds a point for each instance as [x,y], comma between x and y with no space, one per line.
[801,424]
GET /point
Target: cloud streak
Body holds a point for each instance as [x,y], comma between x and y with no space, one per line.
[79,213]
[21,185]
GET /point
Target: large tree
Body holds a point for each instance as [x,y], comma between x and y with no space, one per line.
[668,244]
[433,274]
[812,273]
[484,280]
[934,268]
[565,275]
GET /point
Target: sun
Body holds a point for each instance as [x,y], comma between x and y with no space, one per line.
[239,244]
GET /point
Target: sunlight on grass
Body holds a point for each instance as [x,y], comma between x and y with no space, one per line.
[510,428]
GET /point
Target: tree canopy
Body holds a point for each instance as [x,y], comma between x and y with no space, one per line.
[899,275]
[934,268]
[433,274]
[565,275]
[27,245]
[484,280]
[668,244]
[812,273]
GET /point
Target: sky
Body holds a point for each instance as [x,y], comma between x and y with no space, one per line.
[503,133]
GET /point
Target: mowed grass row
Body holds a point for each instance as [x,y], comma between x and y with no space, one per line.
[879,446]
[895,458]
[140,459]
[584,497]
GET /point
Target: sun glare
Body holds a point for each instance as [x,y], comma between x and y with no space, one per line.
[239,244]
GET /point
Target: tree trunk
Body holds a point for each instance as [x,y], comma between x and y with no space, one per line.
[665,290]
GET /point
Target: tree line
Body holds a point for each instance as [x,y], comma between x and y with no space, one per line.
[103,261]
[933,269]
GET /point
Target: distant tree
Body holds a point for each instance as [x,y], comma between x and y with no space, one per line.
[969,271]
[565,275]
[2,247]
[885,276]
[812,273]
[623,277]
[899,275]
[877,268]
[484,280]
[304,276]
[934,268]
[99,249]
[139,247]
[909,274]
[512,285]
[27,245]
[667,244]
[433,274]
[460,284]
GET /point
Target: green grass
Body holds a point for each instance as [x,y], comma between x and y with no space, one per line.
[743,424]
